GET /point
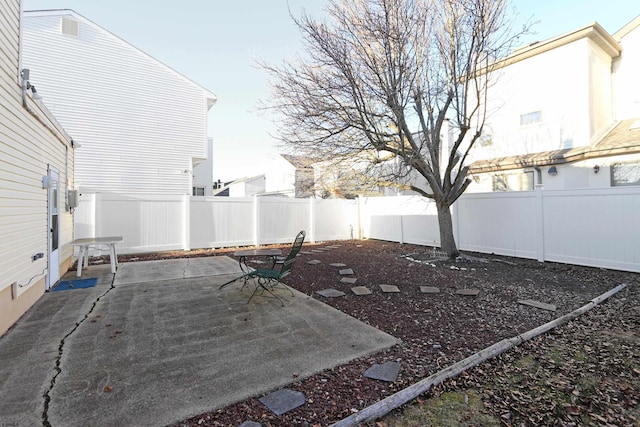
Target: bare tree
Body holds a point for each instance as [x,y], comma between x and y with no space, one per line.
[377,83]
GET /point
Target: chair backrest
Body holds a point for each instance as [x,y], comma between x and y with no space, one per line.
[287,265]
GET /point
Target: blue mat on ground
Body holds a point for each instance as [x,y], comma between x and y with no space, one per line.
[66,285]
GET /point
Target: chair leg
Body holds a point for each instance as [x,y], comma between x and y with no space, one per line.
[264,286]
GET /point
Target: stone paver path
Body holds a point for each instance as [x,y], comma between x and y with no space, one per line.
[331,293]
[361,290]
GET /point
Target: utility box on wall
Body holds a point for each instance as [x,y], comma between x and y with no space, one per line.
[72,199]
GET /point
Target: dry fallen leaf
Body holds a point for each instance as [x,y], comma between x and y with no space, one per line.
[107,389]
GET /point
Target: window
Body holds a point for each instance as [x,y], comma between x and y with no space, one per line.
[198,191]
[529,118]
[625,174]
[513,182]
[70,27]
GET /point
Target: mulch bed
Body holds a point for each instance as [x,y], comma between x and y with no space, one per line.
[436,329]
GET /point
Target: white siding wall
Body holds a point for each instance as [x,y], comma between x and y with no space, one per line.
[627,90]
[203,171]
[555,83]
[139,122]
[571,88]
[27,148]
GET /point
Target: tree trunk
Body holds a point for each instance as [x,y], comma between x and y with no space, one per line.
[447,240]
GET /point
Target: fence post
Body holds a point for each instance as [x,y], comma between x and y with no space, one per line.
[401,229]
[186,228]
[256,222]
[359,232]
[312,220]
[97,219]
[540,222]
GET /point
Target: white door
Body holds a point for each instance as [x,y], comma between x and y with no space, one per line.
[54,232]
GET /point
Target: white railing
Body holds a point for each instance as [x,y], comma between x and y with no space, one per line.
[597,227]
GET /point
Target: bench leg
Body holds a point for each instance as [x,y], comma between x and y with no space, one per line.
[113,257]
[81,259]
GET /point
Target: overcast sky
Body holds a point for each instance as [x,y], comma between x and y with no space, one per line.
[216,44]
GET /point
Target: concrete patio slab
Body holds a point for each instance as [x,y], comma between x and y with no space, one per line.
[152,351]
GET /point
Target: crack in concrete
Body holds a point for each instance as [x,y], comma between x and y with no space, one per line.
[57,368]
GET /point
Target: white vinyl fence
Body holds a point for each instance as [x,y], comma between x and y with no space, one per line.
[592,227]
[599,227]
[161,223]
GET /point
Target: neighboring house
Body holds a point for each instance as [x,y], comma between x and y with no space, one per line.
[243,187]
[36,170]
[203,174]
[141,127]
[296,177]
[564,113]
[285,175]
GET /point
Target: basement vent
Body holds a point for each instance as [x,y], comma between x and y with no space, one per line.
[70,27]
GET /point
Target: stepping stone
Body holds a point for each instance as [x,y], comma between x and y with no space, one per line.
[348,280]
[331,293]
[389,288]
[317,251]
[337,264]
[470,292]
[314,262]
[250,424]
[282,401]
[386,372]
[333,247]
[305,252]
[537,304]
[361,290]
[429,290]
[346,271]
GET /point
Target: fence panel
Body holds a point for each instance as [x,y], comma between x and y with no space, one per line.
[500,223]
[280,219]
[147,223]
[334,219]
[221,222]
[599,228]
[381,218]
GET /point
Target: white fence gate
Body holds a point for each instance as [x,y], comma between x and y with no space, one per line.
[599,227]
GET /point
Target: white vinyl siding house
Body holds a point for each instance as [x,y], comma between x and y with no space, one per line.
[31,144]
[141,125]
[561,113]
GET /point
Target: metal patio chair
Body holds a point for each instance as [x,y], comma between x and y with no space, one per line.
[269,278]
